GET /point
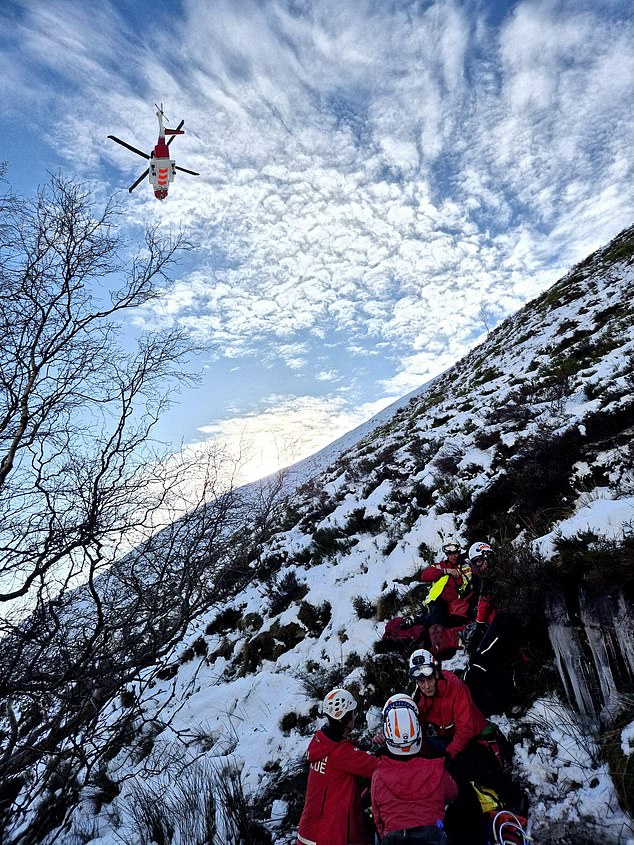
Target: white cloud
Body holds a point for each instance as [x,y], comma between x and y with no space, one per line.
[288,429]
[375,171]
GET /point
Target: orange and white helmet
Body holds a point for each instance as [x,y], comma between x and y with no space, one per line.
[337,703]
[478,552]
[401,726]
[400,696]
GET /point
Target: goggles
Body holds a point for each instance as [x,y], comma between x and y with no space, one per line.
[451,549]
[421,669]
[422,672]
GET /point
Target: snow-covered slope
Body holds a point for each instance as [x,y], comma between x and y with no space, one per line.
[524,443]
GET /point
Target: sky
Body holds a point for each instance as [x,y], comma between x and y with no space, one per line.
[381,182]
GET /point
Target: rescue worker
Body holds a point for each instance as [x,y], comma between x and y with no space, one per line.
[473,748]
[450,611]
[493,647]
[332,813]
[444,701]
[455,603]
[409,792]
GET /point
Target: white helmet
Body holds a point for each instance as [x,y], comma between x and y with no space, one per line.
[422,664]
[400,696]
[479,550]
[401,726]
[451,546]
[337,703]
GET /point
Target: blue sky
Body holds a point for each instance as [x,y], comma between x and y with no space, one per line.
[378,179]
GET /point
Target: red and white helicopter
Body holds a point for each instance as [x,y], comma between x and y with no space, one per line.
[162,168]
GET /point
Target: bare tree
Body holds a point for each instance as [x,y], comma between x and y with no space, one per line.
[106,553]
[486,317]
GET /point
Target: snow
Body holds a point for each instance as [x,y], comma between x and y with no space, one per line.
[604,516]
[627,739]
[209,708]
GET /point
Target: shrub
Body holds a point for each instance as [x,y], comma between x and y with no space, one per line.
[517,579]
[388,605]
[225,649]
[383,675]
[394,604]
[295,722]
[285,590]
[103,789]
[446,462]
[200,647]
[363,607]
[484,438]
[226,620]
[304,556]
[426,553]
[389,547]
[167,672]
[454,496]
[288,784]
[485,375]
[239,810]
[251,622]
[621,765]
[128,698]
[320,677]
[269,645]
[621,248]
[359,523]
[314,618]
[423,496]
[536,483]
[603,563]
[327,542]
[188,811]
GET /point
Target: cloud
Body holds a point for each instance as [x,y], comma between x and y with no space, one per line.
[374,171]
[286,430]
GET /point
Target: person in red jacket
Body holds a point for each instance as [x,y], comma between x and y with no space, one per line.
[444,701]
[454,605]
[332,813]
[409,793]
[465,737]
[450,611]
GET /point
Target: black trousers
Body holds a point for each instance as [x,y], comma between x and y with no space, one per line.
[489,675]
[428,835]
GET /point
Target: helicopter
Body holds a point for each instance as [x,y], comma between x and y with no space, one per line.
[162,168]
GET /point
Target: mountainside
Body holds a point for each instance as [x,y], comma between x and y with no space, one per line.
[526,443]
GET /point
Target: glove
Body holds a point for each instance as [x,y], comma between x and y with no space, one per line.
[379,739]
[476,637]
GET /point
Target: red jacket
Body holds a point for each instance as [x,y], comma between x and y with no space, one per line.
[452,712]
[410,792]
[332,812]
[457,592]
[486,611]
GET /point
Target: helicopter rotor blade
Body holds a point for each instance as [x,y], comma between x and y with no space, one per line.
[139,180]
[180,126]
[128,146]
[185,170]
